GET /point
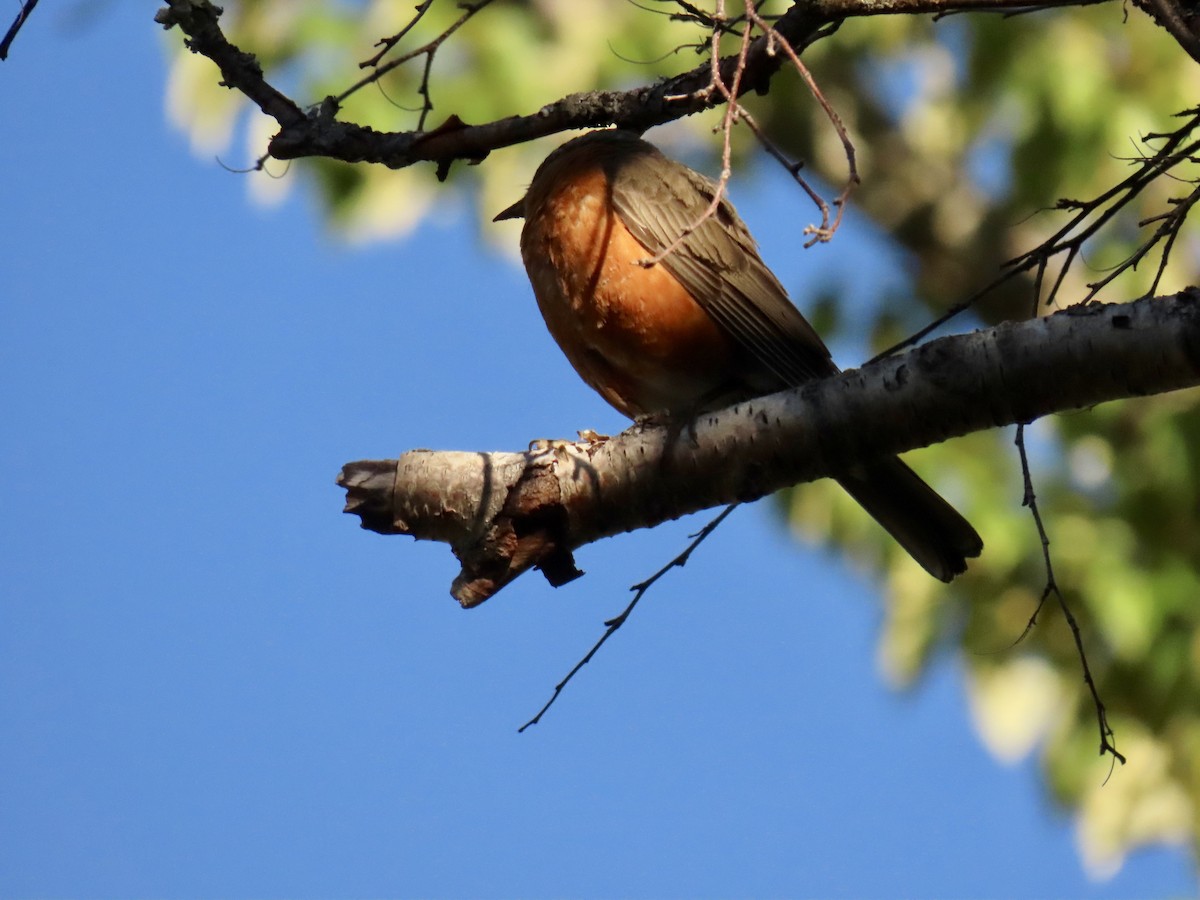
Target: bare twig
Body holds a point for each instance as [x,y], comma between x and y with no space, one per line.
[428,50]
[733,111]
[826,229]
[1107,737]
[1092,215]
[1169,224]
[11,34]
[1089,217]
[388,43]
[698,48]
[694,14]
[640,589]
[793,168]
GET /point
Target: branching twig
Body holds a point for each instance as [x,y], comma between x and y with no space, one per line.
[239,70]
[1092,215]
[1169,224]
[428,50]
[388,43]
[735,112]
[1107,738]
[694,14]
[826,229]
[617,621]
[1089,217]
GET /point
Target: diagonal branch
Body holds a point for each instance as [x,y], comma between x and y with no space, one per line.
[639,589]
[1167,14]
[318,133]
[428,50]
[11,34]
[239,70]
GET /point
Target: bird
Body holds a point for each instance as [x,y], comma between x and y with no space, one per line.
[663,305]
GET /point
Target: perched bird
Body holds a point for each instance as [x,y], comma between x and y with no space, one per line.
[707,326]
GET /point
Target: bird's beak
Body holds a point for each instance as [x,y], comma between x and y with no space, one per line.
[516,211]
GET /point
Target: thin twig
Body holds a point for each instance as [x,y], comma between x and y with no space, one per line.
[1107,737]
[1169,224]
[793,169]
[733,111]
[11,34]
[693,13]
[428,50]
[388,43]
[1089,216]
[826,229]
[617,621]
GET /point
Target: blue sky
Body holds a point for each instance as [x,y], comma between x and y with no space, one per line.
[212,683]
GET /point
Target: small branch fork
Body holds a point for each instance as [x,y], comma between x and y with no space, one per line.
[1177,148]
[640,589]
[729,91]
[1090,216]
[428,50]
[826,229]
[1107,737]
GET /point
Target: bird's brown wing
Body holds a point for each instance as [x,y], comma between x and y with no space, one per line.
[718,263]
[658,199]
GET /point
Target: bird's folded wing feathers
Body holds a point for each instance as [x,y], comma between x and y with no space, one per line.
[719,265]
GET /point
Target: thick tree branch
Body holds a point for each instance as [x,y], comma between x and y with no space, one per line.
[318,133]
[1180,20]
[240,71]
[503,513]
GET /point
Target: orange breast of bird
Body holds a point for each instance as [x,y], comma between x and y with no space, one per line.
[631,331]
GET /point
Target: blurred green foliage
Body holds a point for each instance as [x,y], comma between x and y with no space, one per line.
[967,130]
